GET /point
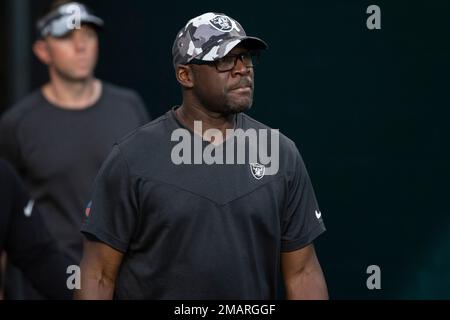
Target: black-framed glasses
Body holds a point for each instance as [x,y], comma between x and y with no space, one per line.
[227,63]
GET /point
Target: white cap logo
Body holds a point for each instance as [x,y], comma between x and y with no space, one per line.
[221,23]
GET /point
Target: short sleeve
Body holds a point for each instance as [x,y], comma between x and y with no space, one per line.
[302,219]
[112,212]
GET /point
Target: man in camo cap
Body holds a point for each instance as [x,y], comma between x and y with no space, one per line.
[209,37]
[169,230]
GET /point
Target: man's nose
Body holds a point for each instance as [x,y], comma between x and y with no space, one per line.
[240,67]
[79,42]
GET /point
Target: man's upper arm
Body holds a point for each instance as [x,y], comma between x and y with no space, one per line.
[303,275]
[295,261]
[99,268]
[302,219]
[112,215]
[100,258]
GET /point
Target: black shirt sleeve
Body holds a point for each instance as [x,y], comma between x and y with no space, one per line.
[28,243]
[113,209]
[302,221]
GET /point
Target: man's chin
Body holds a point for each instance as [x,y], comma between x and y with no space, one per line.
[240,107]
[78,77]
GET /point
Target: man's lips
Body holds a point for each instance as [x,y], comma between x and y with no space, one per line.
[243,85]
[244,88]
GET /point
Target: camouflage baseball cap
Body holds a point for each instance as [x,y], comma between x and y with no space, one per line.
[209,37]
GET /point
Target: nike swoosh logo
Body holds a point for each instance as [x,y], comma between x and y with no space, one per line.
[29,208]
[318,214]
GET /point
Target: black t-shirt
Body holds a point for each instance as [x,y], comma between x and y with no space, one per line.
[199,231]
[27,241]
[58,153]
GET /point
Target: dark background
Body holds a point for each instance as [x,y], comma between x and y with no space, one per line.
[368,109]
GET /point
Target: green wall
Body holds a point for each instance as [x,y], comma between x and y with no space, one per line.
[368,109]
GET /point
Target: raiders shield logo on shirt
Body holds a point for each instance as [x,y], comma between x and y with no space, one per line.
[221,23]
[257,170]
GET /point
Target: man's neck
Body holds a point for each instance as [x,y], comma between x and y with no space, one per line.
[187,114]
[74,95]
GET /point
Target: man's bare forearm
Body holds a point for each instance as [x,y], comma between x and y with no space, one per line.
[95,287]
[307,285]
[99,268]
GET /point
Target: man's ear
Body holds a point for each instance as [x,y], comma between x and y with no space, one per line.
[185,75]
[40,49]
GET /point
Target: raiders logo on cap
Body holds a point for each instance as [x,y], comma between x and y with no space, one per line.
[221,23]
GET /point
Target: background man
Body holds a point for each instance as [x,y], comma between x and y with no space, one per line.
[58,136]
